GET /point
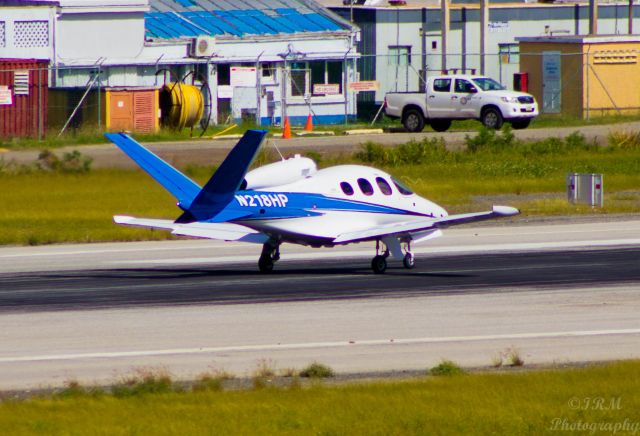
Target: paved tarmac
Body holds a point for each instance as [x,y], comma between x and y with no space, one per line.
[93,313]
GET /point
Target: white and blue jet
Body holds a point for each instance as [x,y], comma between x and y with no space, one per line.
[292,201]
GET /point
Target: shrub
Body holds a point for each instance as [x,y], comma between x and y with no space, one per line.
[490,139]
[514,357]
[211,381]
[144,381]
[72,162]
[446,368]
[626,139]
[317,370]
[373,153]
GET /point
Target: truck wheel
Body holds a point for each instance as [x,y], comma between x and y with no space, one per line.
[521,124]
[440,125]
[492,118]
[413,120]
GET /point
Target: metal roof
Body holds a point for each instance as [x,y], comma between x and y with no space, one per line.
[170,19]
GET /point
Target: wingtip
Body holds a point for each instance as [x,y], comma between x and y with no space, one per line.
[505,210]
[122,219]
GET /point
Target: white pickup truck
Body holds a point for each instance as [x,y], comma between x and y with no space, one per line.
[461,97]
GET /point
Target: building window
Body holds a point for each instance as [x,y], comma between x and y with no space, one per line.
[3,39]
[224,74]
[509,53]
[299,79]
[399,55]
[268,70]
[29,34]
[317,78]
[346,188]
[327,73]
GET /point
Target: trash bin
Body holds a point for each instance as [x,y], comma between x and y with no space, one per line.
[521,82]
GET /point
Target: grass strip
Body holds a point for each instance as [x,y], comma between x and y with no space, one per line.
[598,399]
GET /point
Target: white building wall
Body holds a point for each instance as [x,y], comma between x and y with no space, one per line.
[26,32]
[99,35]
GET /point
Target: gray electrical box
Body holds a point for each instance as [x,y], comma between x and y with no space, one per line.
[585,189]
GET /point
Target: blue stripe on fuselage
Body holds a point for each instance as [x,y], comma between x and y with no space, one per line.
[278,205]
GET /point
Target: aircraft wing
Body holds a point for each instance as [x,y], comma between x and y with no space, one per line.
[222,231]
[426,227]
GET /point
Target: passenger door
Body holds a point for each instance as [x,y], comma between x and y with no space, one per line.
[439,98]
[465,99]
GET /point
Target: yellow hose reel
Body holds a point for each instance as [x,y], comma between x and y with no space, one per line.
[182,105]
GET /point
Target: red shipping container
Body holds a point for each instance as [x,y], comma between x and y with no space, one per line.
[24,87]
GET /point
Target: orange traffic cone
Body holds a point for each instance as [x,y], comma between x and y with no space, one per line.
[309,126]
[286,134]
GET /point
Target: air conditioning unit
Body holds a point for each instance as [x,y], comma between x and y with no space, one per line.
[202,46]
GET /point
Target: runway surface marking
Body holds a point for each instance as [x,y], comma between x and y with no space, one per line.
[425,249]
[334,344]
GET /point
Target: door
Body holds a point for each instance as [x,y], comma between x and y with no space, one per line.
[551,82]
[465,99]
[439,95]
[121,110]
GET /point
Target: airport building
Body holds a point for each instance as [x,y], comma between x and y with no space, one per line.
[401,42]
[129,64]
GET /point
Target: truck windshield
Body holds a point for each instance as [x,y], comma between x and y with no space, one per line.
[487,84]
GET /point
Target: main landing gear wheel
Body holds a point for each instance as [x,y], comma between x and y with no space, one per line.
[270,255]
[379,264]
[409,261]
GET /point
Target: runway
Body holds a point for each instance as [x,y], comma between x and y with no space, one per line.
[563,292]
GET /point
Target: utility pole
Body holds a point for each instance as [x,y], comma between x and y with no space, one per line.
[445,18]
[484,18]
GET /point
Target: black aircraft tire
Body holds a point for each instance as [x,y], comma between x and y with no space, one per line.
[379,264]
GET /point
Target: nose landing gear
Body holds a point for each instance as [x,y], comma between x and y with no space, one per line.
[409,260]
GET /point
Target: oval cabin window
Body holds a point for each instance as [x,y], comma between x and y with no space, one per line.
[346,188]
[365,186]
[384,186]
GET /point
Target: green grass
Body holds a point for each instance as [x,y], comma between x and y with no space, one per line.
[41,208]
[504,403]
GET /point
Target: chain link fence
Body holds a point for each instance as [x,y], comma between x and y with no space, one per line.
[37,101]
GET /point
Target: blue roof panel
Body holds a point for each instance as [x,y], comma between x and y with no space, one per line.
[191,18]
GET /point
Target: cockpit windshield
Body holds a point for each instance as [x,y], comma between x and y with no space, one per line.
[404,190]
[487,84]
